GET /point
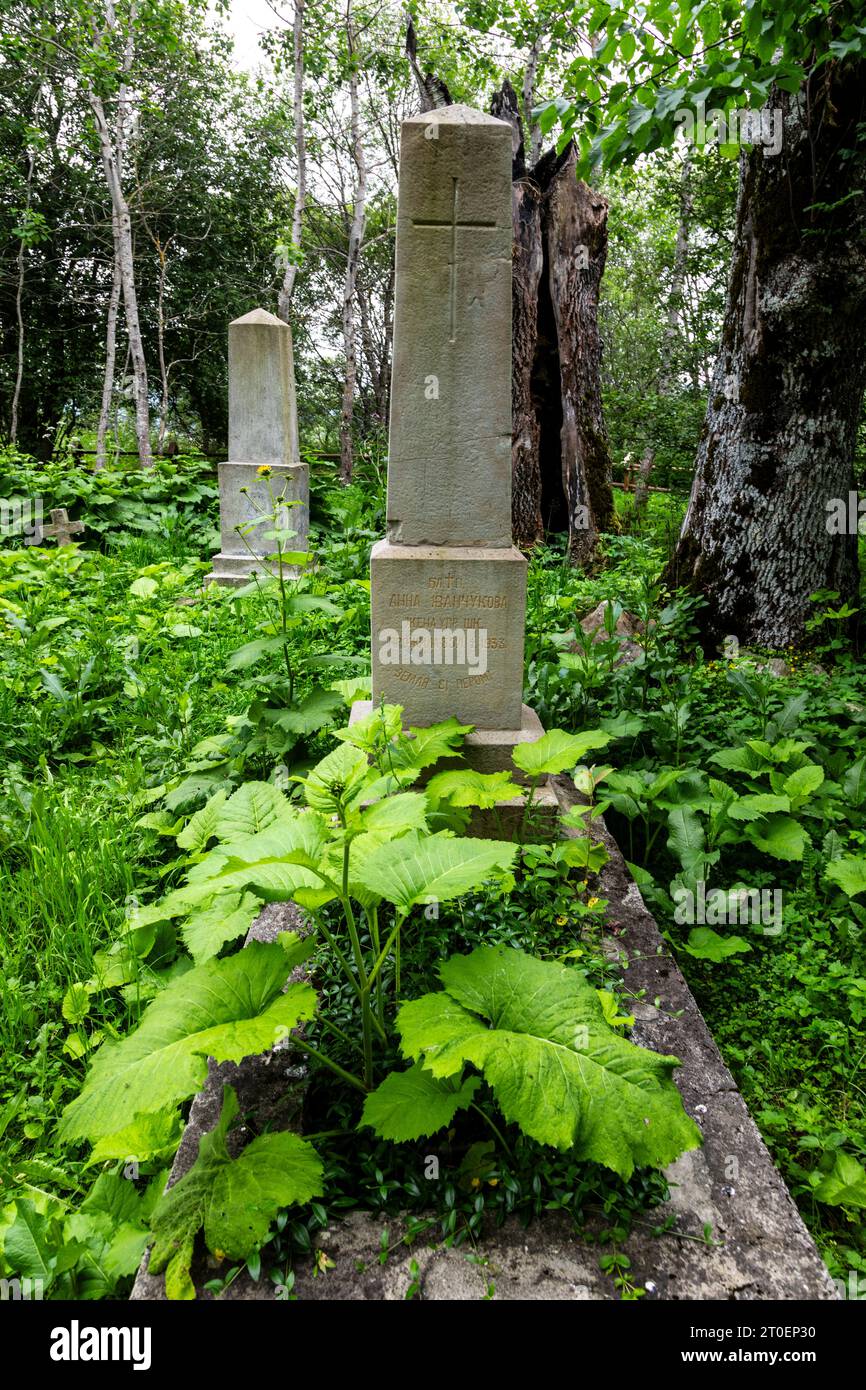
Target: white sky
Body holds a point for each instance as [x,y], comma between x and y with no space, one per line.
[246,20]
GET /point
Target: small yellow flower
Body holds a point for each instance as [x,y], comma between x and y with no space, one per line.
[476,1182]
[562,921]
[593,902]
[492,1182]
[264,470]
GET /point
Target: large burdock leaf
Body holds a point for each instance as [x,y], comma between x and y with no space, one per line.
[412,1104]
[463,786]
[537,1032]
[252,808]
[213,925]
[225,1009]
[235,1200]
[778,835]
[850,874]
[431,868]
[557,751]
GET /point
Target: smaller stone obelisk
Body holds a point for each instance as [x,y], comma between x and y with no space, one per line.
[264,463]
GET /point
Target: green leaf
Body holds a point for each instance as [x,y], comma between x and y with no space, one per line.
[845,1186]
[254,807]
[143,587]
[432,868]
[27,1248]
[149,1136]
[225,1009]
[800,785]
[217,922]
[76,1004]
[463,786]
[422,748]
[314,712]
[779,836]
[394,814]
[557,751]
[412,1104]
[854,783]
[235,1200]
[706,944]
[556,1067]
[753,807]
[202,827]
[850,874]
[686,838]
[251,652]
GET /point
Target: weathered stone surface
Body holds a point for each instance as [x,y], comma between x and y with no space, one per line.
[473,601]
[449,476]
[263,433]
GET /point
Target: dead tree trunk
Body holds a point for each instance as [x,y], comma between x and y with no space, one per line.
[110,352]
[561,466]
[574,224]
[291,269]
[353,256]
[780,430]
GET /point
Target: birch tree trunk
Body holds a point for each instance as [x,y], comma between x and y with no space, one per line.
[19,309]
[779,435]
[356,237]
[530,74]
[284,302]
[111,152]
[110,353]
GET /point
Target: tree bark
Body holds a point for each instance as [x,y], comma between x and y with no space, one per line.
[284,302]
[778,440]
[19,310]
[111,152]
[575,229]
[356,237]
[527,264]
[530,74]
[110,353]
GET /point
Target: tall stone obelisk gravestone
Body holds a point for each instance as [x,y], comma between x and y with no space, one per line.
[263,433]
[448,587]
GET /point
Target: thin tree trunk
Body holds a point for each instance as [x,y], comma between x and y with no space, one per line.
[110,353]
[644,473]
[779,437]
[111,152]
[530,75]
[356,237]
[286,289]
[19,311]
[675,302]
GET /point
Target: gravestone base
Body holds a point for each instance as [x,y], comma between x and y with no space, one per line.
[457,602]
[245,495]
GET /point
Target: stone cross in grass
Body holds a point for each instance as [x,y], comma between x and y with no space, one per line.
[62,529]
[448,590]
[264,465]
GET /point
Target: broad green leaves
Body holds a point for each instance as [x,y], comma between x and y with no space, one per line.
[432,868]
[225,1009]
[844,1185]
[706,944]
[557,751]
[537,1032]
[850,874]
[412,1104]
[235,1200]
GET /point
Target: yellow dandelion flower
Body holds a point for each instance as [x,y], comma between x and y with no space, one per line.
[264,470]
[562,921]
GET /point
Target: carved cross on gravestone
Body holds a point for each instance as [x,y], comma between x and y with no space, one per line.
[452,225]
[62,529]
